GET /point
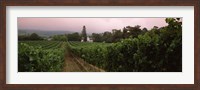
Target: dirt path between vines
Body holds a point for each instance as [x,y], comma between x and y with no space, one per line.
[76,64]
[71,65]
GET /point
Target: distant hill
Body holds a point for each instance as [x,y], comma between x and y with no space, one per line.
[43,33]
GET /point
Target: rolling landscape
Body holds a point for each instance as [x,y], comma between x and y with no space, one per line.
[99,44]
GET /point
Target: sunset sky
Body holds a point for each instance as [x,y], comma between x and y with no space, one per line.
[97,25]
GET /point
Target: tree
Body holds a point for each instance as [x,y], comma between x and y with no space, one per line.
[107,37]
[155,27]
[144,29]
[28,37]
[117,35]
[34,36]
[23,37]
[84,34]
[174,23]
[97,37]
[132,31]
[74,37]
[125,33]
[59,38]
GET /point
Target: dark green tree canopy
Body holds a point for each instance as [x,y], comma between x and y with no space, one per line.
[33,36]
[59,38]
[84,34]
[74,37]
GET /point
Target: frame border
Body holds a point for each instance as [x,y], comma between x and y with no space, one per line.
[4,3]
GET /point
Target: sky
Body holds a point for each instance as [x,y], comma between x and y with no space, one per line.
[93,25]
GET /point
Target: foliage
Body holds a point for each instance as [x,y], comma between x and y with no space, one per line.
[33,58]
[117,34]
[74,37]
[129,50]
[93,53]
[97,37]
[157,50]
[84,34]
[59,38]
[107,37]
[174,23]
[32,37]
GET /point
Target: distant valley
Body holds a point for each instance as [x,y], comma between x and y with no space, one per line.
[43,33]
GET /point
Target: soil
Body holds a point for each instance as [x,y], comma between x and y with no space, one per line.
[76,64]
[71,65]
